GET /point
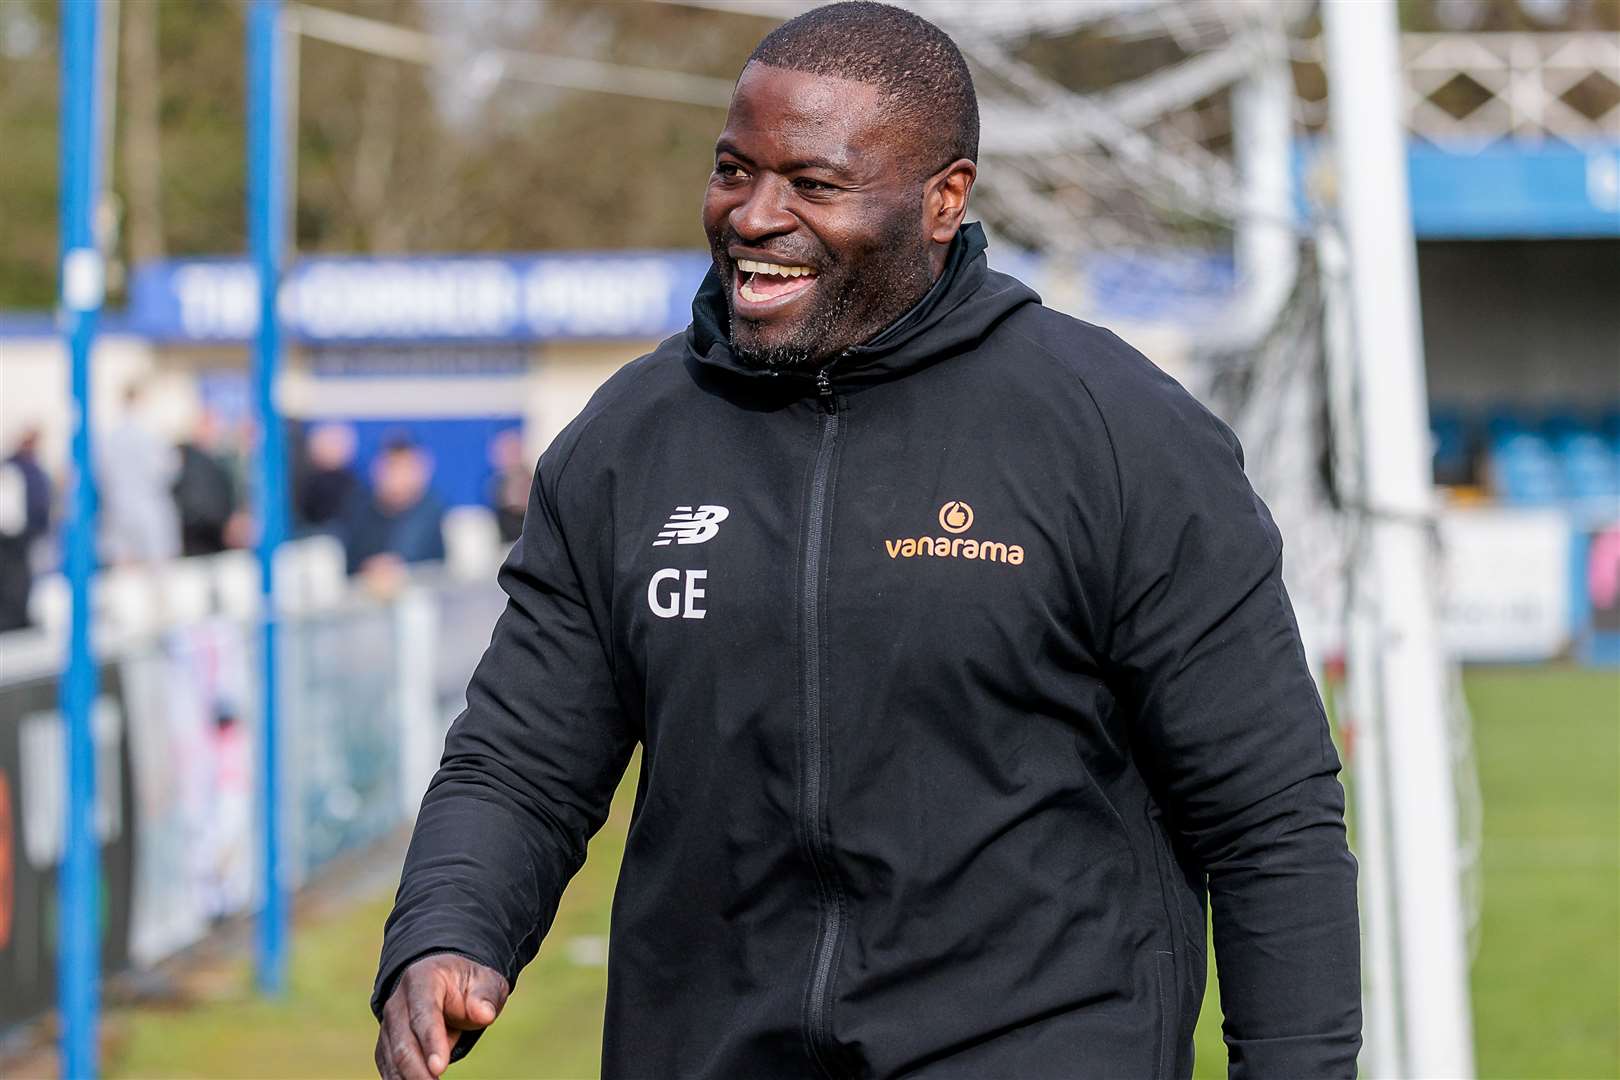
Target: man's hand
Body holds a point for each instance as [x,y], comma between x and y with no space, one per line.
[437,998]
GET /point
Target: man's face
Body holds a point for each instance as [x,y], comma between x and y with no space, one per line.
[331,446]
[400,479]
[814,214]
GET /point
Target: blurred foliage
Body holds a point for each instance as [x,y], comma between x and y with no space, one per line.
[28,160]
[394,157]
[383,165]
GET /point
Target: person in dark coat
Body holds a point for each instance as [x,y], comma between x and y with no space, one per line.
[508,485]
[205,494]
[326,485]
[952,636]
[25,517]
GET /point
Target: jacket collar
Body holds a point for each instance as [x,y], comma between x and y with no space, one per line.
[964,303]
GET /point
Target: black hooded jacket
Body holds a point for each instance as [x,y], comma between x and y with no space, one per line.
[964,676]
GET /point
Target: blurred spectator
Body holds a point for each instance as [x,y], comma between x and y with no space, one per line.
[25,517]
[1603,579]
[205,493]
[326,486]
[135,473]
[399,523]
[508,490]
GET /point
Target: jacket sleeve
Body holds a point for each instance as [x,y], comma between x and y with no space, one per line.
[528,770]
[1232,733]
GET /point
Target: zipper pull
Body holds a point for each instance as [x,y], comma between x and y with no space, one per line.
[825,389]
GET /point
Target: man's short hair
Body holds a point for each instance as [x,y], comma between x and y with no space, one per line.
[399,442]
[914,63]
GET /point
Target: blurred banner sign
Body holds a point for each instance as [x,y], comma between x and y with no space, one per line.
[456,298]
[1495,191]
[1506,594]
[191,705]
[1516,190]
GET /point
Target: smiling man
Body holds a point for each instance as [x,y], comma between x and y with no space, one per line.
[954,640]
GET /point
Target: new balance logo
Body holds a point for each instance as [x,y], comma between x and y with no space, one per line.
[689,526]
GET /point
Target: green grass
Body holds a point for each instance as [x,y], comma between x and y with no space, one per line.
[1546,983]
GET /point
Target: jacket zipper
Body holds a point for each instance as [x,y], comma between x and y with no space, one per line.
[832,908]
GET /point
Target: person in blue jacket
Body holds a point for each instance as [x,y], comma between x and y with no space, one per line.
[400,520]
[954,641]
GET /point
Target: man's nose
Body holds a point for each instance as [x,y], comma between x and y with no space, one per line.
[764,213]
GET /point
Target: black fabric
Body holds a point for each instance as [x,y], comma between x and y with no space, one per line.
[16,569]
[921,793]
[36,495]
[205,498]
[16,582]
[324,495]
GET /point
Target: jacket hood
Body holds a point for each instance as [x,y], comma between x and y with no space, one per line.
[960,308]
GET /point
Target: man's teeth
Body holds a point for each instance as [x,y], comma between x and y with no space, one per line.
[751,266]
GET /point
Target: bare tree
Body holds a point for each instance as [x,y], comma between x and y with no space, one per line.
[142,142]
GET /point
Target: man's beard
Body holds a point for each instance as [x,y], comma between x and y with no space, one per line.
[853,303]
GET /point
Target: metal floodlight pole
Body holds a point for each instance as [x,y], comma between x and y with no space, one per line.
[267,102]
[82,277]
[1369,141]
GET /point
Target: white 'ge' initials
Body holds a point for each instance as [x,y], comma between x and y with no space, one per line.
[677,600]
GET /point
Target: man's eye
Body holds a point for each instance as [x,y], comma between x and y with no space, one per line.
[804,183]
[728,170]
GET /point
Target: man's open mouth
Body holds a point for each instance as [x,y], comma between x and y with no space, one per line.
[762,285]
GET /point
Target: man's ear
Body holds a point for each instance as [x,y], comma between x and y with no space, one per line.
[946,197]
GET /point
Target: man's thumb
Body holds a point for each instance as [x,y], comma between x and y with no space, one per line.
[484,997]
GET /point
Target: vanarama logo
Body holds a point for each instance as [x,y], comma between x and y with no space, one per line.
[955,517]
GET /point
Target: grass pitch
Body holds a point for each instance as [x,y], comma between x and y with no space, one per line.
[1546,982]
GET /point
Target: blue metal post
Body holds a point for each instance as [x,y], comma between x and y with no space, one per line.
[266,226]
[78,932]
